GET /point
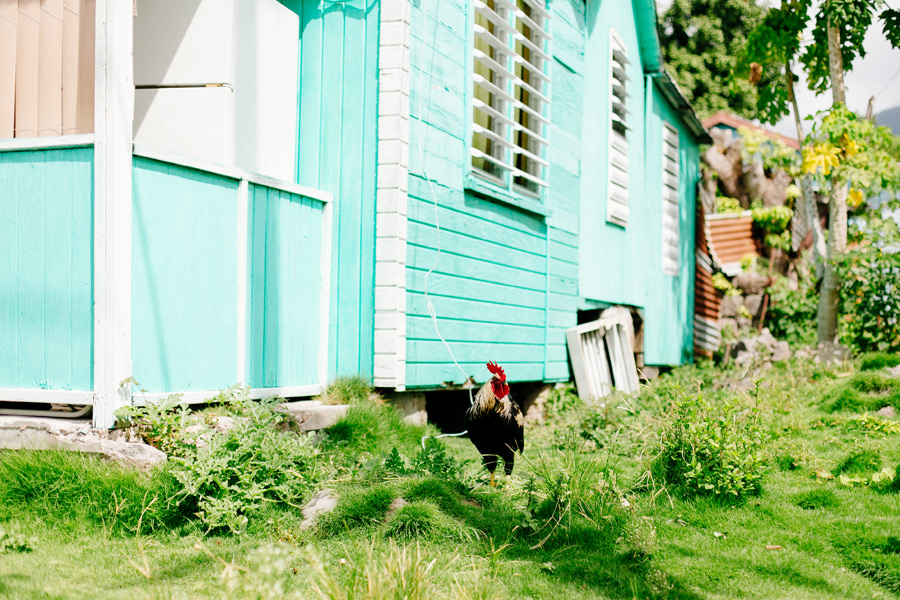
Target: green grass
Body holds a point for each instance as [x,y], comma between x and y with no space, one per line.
[579,518]
[874,361]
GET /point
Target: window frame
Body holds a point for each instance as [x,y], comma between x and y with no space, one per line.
[505,187]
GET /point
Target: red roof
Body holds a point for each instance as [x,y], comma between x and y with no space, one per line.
[729,120]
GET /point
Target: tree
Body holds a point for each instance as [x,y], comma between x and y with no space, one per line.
[702,41]
[838,33]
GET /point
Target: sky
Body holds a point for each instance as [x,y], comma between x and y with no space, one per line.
[878,74]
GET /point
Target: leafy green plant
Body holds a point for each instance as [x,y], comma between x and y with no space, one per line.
[433,458]
[792,312]
[711,449]
[233,473]
[162,424]
[870,299]
[724,204]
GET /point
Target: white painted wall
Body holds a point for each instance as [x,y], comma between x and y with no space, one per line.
[249,47]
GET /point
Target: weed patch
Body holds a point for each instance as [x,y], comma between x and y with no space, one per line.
[873,361]
[359,508]
[860,460]
[815,499]
[66,487]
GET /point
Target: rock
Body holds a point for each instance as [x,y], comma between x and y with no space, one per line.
[781,351]
[766,339]
[730,306]
[753,302]
[312,415]
[411,405]
[750,282]
[728,325]
[888,412]
[139,455]
[747,344]
[894,371]
[829,353]
[396,505]
[744,324]
[744,358]
[323,502]
[223,423]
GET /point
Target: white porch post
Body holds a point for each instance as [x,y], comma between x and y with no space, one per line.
[113,116]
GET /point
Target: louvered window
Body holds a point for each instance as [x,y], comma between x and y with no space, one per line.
[670,213]
[617,200]
[509,104]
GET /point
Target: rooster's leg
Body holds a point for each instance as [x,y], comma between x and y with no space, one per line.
[493,483]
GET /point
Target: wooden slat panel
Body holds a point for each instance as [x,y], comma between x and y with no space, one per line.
[50,59]
[27,50]
[9,15]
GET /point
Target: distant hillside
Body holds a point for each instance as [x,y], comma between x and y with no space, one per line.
[890,118]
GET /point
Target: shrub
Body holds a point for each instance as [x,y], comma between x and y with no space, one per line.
[873,361]
[711,449]
[232,474]
[792,313]
[870,299]
[813,499]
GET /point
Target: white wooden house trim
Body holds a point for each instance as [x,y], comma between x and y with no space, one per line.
[113,118]
[391,200]
[47,143]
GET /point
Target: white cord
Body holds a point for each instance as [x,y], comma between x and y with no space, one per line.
[424,133]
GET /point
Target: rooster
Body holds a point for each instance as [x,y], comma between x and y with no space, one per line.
[496,424]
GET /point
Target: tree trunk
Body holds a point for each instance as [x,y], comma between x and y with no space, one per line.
[837,208]
[837,245]
[807,210]
[835,63]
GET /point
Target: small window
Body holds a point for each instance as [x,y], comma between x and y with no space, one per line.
[617,198]
[671,222]
[509,105]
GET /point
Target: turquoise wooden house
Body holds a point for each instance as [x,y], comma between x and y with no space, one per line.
[198,193]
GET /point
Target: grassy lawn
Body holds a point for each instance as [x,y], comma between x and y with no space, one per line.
[794,497]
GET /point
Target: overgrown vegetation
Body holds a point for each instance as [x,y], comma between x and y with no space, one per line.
[674,493]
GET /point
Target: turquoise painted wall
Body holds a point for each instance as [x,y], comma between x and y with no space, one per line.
[669,315]
[285,237]
[46,269]
[505,286]
[184,278]
[336,152]
[185,282]
[612,258]
[623,265]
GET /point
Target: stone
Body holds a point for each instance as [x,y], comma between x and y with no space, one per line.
[753,303]
[38,433]
[830,353]
[894,371]
[766,339]
[888,412]
[750,282]
[730,306]
[396,505]
[134,454]
[781,351]
[312,415]
[323,502]
[411,405]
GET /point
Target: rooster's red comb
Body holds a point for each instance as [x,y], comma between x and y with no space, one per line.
[496,370]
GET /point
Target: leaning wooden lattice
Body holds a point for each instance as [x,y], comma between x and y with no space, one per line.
[602,357]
